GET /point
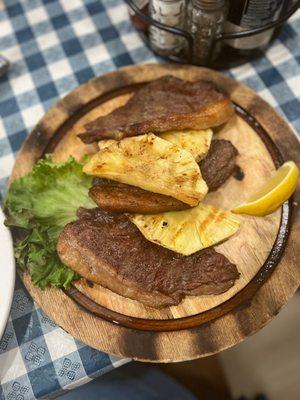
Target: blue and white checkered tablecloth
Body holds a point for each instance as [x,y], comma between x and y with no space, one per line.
[54,46]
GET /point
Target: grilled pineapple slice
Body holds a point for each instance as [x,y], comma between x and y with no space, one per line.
[153,164]
[196,142]
[188,231]
[103,144]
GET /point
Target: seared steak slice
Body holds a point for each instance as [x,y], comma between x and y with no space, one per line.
[113,196]
[109,250]
[219,163]
[165,104]
[127,198]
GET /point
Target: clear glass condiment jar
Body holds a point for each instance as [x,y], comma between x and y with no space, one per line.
[206,21]
[172,13]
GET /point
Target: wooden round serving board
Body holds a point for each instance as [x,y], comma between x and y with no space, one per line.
[201,324]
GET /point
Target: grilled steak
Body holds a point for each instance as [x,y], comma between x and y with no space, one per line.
[113,196]
[109,250]
[165,104]
[219,163]
[126,198]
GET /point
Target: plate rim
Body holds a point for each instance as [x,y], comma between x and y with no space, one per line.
[9,281]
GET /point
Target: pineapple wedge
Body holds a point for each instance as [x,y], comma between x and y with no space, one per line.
[153,164]
[188,231]
[103,144]
[196,142]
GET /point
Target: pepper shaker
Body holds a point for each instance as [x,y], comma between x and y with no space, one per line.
[207,19]
[172,13]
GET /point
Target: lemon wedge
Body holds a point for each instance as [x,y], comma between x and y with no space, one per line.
[273,194]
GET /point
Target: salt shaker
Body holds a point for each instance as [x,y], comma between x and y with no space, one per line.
[207,19]
[172,13]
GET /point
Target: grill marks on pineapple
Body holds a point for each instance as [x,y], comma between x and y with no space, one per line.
[208,220]
[180,229]
[138,161]
[219,164]
[188,231]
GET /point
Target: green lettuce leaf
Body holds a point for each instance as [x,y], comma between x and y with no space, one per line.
[43,202]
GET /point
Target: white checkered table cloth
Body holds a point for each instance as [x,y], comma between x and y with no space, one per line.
[53,47]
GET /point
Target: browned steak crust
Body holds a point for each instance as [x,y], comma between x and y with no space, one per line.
[126,198]
[219,163]
[164,104]
[109,250]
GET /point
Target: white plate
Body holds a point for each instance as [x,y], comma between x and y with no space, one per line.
[7,273]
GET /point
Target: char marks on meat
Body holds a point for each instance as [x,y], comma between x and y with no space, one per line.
[109,250]
[219,163]
[164,104]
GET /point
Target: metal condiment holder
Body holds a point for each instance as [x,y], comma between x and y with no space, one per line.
[186,56]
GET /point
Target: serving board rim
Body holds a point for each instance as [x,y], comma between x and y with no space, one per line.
[245,294]
[88,93]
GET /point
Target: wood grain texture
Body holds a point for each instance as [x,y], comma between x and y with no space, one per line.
[53,132]
[255,238]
